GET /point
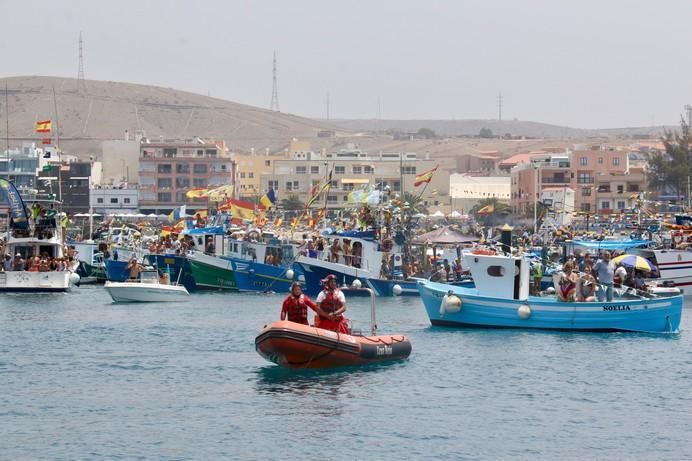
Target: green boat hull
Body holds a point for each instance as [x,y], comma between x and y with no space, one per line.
[207,276]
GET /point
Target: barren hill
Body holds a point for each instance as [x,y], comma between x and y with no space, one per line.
[104,110]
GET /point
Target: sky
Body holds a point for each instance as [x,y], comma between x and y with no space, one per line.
[580,63]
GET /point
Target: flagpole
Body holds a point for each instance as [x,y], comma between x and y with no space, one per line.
[7,128]
[57,145]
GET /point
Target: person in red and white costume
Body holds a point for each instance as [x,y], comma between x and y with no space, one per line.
[332,302]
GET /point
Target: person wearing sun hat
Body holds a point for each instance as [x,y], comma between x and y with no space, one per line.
[332,302]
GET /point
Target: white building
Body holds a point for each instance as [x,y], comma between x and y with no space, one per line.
[113,199]
[467,190]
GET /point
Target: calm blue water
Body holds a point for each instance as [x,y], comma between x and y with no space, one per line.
[81,378]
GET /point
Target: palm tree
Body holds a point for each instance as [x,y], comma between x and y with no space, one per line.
[292,202]
[415,204]
[489,207]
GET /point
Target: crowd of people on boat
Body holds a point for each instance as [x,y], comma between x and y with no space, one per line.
[35,263]
[583,280]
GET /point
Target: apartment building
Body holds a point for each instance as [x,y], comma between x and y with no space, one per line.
[354,169]
[604,180]
[250,168]
[168,170]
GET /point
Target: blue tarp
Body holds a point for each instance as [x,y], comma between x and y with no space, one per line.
[215,230]
[610,244]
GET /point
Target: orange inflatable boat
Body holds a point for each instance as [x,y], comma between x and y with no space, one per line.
[295,345]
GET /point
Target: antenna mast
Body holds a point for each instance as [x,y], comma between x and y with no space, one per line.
[274,107]
[499,107]
[80,73]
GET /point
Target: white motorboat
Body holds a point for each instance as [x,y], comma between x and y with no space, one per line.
[147,289]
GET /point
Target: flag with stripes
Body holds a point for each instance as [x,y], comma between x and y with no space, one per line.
[425,177]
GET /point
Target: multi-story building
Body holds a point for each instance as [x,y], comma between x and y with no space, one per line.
[250,169]
[483,163]
[354,169]
[168,170]
[69,182]
[604,180]
[106,199]
[21,166]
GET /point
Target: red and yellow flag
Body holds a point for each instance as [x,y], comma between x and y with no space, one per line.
[425,177]
[43,126]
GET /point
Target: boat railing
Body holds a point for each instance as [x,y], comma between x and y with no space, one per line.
[338,258]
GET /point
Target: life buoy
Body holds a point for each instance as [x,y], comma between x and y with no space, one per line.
[484,251]
[677,238]
[387,245]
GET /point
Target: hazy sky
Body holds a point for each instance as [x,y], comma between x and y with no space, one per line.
[583,63]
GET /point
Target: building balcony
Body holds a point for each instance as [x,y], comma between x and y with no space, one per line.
[555,180]
[583,180]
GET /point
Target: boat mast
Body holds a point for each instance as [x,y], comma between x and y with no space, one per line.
[7,128]
[57,145]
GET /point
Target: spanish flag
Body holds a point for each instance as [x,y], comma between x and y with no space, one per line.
[425,177]
[197,192]
[487,210]
[43,126]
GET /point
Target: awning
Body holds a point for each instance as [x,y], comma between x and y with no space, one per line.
[355,181]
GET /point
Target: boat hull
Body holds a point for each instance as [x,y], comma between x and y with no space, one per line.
[253,276]
[135,292]
[315,270]
[35,282]
[214,273]
[294,345]
[173,265]
[651,315]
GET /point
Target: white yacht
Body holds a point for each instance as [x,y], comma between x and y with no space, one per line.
[148,288]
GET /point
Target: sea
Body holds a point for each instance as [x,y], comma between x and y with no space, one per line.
[82,378]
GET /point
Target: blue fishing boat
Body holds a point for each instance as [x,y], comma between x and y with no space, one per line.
[501,299]
[177,267]
[375,263]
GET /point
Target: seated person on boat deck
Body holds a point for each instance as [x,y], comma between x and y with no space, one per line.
[295,306]
[567,284]
[586,288]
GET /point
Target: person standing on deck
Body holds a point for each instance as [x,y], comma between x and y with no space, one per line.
[332,302]
[603,272]
[295,306]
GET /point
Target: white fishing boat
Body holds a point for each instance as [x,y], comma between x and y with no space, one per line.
[38,263]
[147,289]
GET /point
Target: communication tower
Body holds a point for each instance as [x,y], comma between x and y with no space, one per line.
[275,92]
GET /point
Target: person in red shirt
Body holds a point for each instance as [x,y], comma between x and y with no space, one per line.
[295,306]
[332,304]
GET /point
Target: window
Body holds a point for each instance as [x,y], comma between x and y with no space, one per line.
[182,168]
[408,170]
[345,198]
[200,182]
[340,169]
[586,207]
[583,161]
[600,160]
[292,186]
[182,181]
[164,196]
[211,153]
[368,169]
[496,271]
[99,200]
[616,161]
[199,168]
[331,198]
[274,185]
[621,188]
[126,200]
[242,175]
[586,192]
[584,178]
[621,205]
[200,153]
[170,152]
[605,205]
[267,163]
[301,170]
[165,168]
[314,170]
[164,182]
[396,186]
[348,187]
[251,175]
[114,200]
[357,169]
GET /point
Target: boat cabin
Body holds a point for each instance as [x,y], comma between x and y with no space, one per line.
[505,277]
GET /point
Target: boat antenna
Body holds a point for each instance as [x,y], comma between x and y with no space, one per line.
[7,128]
[57,145]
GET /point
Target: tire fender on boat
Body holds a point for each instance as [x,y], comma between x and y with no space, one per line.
[524,311]
[450,304]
